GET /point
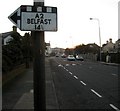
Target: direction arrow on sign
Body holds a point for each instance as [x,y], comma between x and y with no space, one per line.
[32,18]
[15,17]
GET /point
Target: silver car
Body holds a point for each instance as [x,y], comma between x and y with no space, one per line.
[71,58]
[79,58]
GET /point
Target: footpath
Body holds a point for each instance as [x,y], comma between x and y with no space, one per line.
[26,101]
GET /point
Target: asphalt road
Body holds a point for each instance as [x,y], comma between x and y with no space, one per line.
[85,85]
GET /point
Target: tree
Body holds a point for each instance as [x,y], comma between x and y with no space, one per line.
[12,53]
[27,48]
[89,48]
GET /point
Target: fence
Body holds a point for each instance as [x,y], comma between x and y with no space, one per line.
[114,57]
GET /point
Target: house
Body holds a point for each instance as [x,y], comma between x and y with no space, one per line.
[6,37]
[117,46]
[48,49]
[109,47]
[57,50]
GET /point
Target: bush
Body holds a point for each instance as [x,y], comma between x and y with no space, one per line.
[6,64]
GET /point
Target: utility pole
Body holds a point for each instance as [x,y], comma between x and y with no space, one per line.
[39,66]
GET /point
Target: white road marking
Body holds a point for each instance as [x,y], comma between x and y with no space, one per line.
[67,64]
[64,67]
[73,64]
[70,73]
[31,91]
[96,93]
[57,62]
[114,107]
[83,83]
[114,74]
[66,70]
[59,65]
[75,77]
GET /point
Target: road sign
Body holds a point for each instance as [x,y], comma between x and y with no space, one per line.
[35,18]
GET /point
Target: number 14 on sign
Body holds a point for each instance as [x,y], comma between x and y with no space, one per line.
[39,27]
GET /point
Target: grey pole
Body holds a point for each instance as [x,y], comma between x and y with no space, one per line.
[39,67]
[99,34]
[99,39]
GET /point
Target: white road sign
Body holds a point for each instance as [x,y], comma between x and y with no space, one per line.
[38,21]
[31,18]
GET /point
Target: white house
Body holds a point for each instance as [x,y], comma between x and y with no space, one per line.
[108,47]
[48,49]
[6,37]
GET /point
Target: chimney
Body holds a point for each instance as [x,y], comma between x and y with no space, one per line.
[107,42]
[14,29]
[110,40]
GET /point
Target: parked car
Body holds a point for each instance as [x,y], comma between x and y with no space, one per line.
[79,58]
[71,58]
[63,56]
[57,55]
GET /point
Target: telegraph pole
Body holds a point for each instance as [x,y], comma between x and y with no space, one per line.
[39,66]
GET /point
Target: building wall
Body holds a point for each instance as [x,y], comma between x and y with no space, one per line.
[109,47]
[48,49]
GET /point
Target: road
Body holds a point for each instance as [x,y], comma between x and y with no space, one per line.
[78,85]
[85,85]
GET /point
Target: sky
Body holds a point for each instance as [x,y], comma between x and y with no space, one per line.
[74,24]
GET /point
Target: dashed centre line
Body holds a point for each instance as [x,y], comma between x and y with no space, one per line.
[114,107]
[111,105]
[96,93]
[70,73]
[64,68]
[83,83]
[67,70]
[75,77]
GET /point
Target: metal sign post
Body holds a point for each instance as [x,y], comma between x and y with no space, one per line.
[39,67]
[39,70]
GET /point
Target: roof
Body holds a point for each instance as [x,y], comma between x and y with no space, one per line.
[47,44]
[6,34]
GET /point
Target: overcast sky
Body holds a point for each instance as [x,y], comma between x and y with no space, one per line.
[74,25]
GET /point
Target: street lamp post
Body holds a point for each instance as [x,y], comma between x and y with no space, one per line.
[99,33]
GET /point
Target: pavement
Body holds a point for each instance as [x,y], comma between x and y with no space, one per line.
[112,64]
[26,101]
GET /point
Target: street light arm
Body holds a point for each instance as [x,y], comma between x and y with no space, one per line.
[99,33]
[94,19]
[99,28]
[91,18]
